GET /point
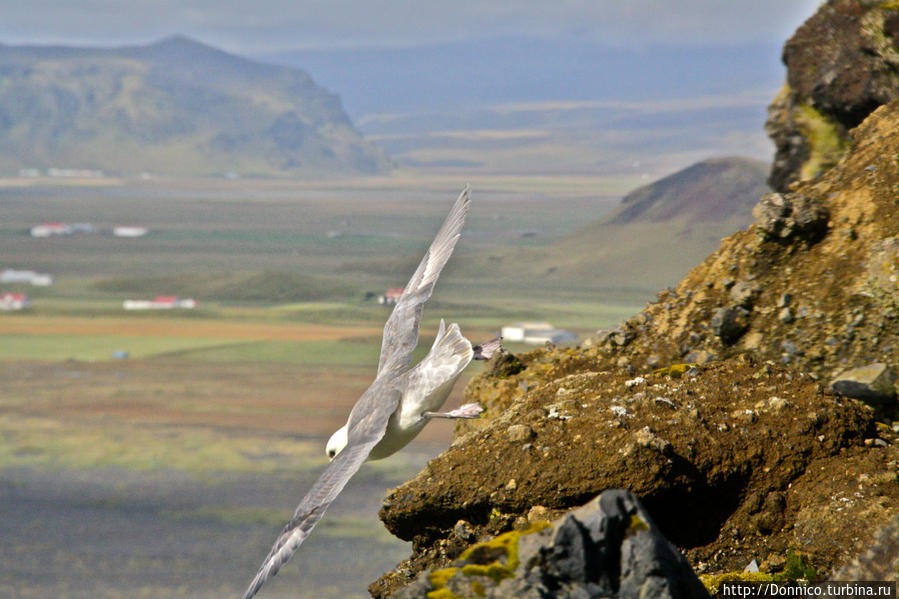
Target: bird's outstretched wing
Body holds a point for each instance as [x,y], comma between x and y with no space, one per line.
[363,436]
[401,329]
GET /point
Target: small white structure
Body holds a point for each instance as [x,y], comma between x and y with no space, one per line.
[390,296]
[163,302]
[13,301]
[536,333]
[518,330]
[10,275]
[76,173]
[129,231]
[50,229]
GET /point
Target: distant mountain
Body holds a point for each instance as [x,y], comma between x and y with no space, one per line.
[712,191]
[174,107]
[653,238]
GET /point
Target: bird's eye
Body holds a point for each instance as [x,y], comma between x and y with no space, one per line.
[331,453]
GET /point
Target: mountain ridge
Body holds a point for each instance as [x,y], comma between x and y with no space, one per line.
[176,107]
[653,237]
[716,189]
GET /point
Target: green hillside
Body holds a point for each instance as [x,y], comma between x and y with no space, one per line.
[175,107]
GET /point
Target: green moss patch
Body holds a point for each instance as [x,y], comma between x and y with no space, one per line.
[827,141]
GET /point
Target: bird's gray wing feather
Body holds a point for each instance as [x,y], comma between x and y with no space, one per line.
[401,329]
[363,435]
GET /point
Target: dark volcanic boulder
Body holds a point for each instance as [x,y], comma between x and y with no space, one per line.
[609,547]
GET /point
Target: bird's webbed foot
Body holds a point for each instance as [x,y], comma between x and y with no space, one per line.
[469,410]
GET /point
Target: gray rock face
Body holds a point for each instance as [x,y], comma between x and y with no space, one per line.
[874,384]
[790,216]
[607,548]
[880,561]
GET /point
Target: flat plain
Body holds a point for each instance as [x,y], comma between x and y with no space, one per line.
[169,472]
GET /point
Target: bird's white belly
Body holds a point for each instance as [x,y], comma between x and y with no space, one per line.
[407,421]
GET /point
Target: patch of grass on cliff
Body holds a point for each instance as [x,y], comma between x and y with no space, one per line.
[827,142]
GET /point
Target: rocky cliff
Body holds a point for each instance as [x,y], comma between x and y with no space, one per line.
[751,409]
[842,63]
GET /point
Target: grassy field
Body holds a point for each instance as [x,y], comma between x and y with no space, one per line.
[201,441]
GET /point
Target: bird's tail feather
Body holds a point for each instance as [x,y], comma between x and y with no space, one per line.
[450,343]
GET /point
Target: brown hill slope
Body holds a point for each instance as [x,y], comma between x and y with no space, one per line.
[714,190]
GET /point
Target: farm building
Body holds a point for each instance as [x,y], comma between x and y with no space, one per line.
[163,302]
[10,275]
[13,301]
[390,296]
[129,231]
[536,333]
[51,229]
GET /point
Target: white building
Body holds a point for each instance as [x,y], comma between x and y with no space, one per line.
[10,275]
[163,302]
[50,229]
[391,296]
[129,231]
[536,333]
[13,301]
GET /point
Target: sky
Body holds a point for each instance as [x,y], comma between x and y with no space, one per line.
[266,26]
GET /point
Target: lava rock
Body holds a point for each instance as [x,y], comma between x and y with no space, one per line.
[786,315]
[789,216]
[744,294]
[730,323]
[609,547]
[874,384]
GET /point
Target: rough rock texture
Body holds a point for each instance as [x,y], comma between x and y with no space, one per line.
[609,547]
[734,460]
[842,63]
[880,561]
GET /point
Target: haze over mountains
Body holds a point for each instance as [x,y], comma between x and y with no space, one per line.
[657,233]
[174,107]
[523,104]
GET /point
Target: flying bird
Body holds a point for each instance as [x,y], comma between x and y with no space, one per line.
[400,401]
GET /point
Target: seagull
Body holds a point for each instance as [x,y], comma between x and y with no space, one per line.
[400,401]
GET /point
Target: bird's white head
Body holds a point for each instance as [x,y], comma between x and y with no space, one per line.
[336,443]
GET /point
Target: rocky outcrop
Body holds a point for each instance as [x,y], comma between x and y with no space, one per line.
[842,63]
[735,460]
[609,547]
